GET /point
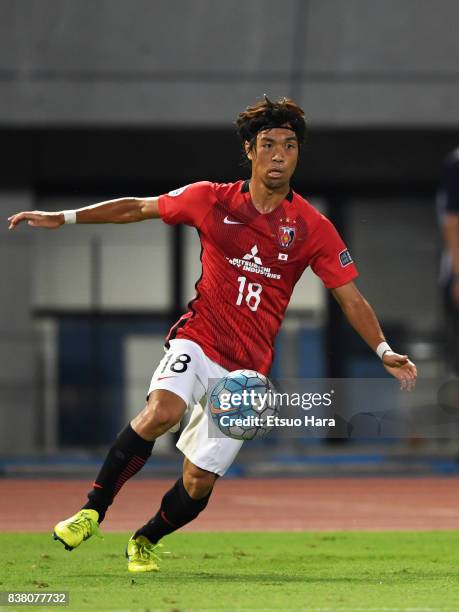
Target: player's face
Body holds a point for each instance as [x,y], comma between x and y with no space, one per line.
[274,157]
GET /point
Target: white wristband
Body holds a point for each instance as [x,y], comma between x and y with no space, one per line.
[382,348]
[69,216]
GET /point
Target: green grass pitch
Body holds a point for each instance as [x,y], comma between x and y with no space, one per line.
[348,571]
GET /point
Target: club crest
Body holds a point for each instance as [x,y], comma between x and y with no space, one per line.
[286,236]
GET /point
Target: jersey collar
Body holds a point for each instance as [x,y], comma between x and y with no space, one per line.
[245,189]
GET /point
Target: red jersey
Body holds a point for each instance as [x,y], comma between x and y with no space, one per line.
[250,265]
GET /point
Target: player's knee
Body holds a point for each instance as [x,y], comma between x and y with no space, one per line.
[162,413]
[198,483]
[163,410]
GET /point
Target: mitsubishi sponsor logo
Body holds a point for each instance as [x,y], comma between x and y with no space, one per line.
[251,262]
[253,255]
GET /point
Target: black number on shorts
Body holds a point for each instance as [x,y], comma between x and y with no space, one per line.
[180,364]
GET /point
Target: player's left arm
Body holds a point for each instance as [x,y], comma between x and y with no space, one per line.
[363,319]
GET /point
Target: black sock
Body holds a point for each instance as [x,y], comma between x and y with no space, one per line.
[177,509]
[126,457]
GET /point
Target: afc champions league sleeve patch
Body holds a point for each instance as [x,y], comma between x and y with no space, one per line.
[176,192]
[345,258]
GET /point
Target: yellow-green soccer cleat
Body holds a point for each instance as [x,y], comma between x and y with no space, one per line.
[141,555]
[77,528]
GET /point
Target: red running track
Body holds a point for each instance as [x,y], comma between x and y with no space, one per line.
[250,504]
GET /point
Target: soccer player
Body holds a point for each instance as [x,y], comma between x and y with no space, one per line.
[257,236]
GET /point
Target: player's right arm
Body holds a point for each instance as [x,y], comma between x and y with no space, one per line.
[122,210]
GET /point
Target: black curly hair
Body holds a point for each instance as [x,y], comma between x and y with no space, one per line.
[267,114]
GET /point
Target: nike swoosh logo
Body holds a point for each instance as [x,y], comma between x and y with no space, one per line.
[223,410]
[163,377]
[228,222]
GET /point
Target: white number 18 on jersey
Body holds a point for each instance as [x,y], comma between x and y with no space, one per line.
[253,294]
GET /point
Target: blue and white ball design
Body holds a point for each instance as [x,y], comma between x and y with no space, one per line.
[242,405]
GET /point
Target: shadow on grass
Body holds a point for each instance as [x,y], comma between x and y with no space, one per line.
[269,579]
[203,577]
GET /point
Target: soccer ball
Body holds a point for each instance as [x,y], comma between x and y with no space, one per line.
[242,405]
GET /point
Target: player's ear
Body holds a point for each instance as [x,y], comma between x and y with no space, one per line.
[248,150]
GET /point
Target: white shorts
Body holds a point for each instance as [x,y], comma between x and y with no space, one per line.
[186,371]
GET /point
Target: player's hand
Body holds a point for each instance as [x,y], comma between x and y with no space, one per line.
[37,218]
[401,368]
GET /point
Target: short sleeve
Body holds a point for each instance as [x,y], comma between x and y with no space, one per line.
[188,204]
[451,187]
[332,261]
